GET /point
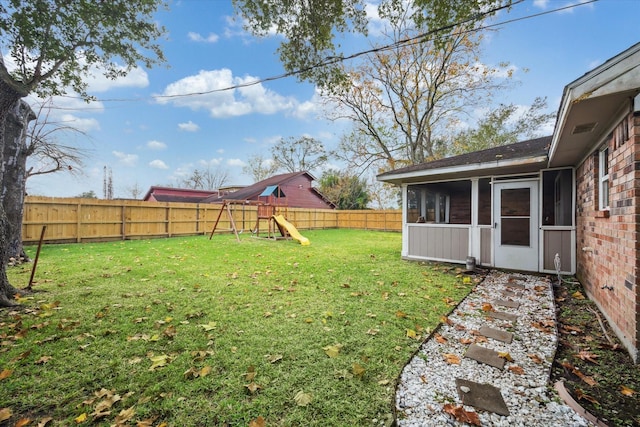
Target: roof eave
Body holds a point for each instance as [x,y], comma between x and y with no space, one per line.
[597,83]
[466,170]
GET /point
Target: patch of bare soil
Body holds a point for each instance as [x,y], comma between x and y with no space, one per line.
[596,369]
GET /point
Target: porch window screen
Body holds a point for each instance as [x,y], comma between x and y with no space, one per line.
[557,197]
[439,203]
[603,179]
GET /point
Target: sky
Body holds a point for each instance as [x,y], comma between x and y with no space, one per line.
[144,140]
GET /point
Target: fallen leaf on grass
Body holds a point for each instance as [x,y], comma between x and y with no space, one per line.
[449,301]
[462,415]
[22,422]
[253,388]
[332,350]
[250,374]
[274,358]
[159,361]
[412,334]
[401,314]
[357,370]
[6,373]
[193,373]
[45,422]
[81,418]
[43,360]
[209,326]
[302,399]
[588,357]
[578,295]
[258,422]
[170,332]
[586,378]
[627,391]
[5,414]
[21,356]
[125,416]
[582,396]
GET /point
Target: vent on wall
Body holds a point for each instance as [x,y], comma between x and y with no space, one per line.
[584,128]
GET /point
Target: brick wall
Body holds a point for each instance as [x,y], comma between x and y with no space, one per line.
[608,244]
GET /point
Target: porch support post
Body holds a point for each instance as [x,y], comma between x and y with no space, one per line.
[405,228]
[474,233]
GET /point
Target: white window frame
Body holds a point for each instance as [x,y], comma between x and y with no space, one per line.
[603,179]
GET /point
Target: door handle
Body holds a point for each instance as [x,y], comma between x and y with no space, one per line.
[495,225]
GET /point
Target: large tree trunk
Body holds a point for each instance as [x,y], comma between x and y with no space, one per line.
[9,97]
[15,174]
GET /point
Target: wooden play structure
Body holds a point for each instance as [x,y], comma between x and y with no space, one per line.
[269,210]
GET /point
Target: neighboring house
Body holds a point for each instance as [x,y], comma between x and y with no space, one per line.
[182,195]
[292,190]
[575,194]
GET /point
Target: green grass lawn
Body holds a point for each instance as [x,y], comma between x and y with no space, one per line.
[199,332]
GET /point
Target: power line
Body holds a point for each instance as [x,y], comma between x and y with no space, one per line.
[423,37]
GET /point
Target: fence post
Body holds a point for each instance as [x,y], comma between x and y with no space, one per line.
[168,219]
[79,222]
[123,227]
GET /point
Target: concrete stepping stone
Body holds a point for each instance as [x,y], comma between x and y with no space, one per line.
[484,355]
[481,396]
[506,303]
[509,293]
[516,286]
[496,334]
[501,315]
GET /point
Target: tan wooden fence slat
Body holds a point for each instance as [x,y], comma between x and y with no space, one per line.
[79,220]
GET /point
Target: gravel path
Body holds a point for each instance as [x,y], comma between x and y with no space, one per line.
[428,381]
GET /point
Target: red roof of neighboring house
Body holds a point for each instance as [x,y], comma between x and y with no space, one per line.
[184,195]
[295,187]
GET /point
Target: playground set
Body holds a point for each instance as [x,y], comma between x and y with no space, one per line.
[267,210]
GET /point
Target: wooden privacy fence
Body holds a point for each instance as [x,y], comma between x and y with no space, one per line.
[91,220]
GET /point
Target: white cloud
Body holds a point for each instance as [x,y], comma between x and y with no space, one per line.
[158,164]
[235,162]
[97,82]
[216,91]
[182,172]
[197,37]
[220,151]
[188,126]
[83,125]
[126,159]
[213,162]
[156,145]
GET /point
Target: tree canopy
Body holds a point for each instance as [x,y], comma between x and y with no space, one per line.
[299,154]
[311,27]
[53,45]
[344,190]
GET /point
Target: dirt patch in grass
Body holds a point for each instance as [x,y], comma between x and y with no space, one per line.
[596,369]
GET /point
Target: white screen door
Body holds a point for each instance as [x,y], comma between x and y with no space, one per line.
[516,225]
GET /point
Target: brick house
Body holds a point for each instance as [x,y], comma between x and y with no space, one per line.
[292,190]
[568,202]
